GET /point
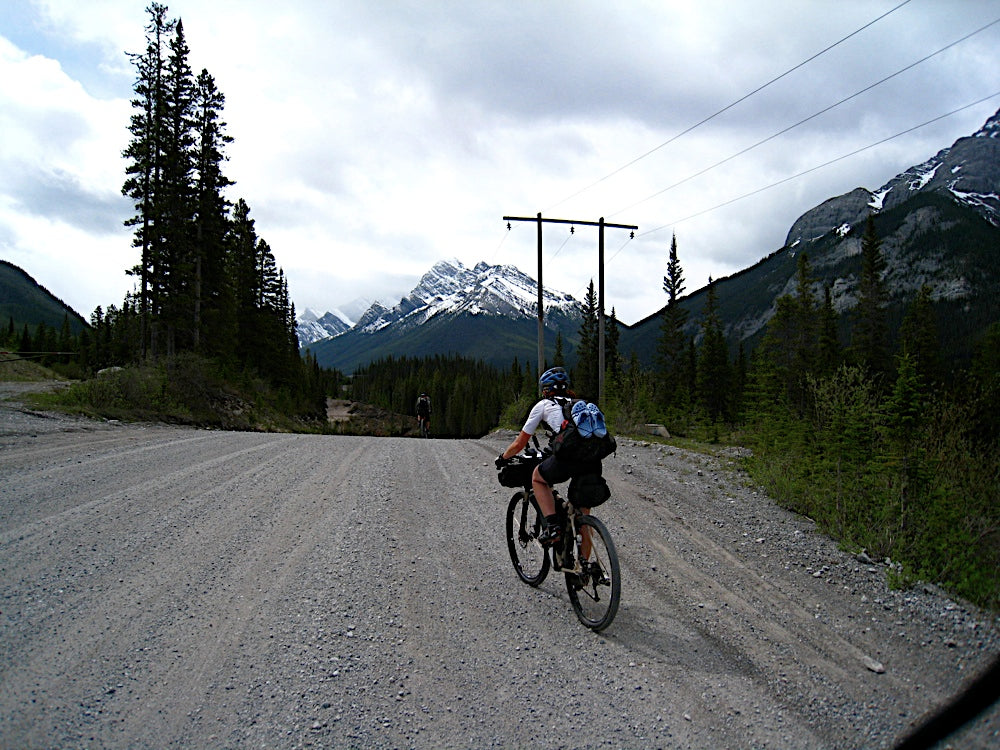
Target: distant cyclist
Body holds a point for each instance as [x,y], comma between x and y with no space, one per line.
[424,414]
[554,385]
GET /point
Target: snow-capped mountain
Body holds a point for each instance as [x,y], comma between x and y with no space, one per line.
[487,312]
[450,288]
[311,326]
[968,172]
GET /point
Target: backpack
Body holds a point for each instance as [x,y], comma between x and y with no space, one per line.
[584,435]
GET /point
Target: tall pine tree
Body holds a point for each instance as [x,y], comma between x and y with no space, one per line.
[870,336]
[144,172]
[919,338]
[671,351]
[713,376]
[213,296]
[585,372]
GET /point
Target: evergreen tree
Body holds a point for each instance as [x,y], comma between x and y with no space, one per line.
[671,349]
[904,415]
[145,155]
[983,391]
[213,298]
[242,262]
[739,383]
[806,324]
[919,338]
[713,375]
[178,192]
[800,341]
[870,335]
[612,356]
[828,354]
[585,373]
[558,359]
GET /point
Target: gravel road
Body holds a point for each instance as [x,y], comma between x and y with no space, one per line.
[165,587]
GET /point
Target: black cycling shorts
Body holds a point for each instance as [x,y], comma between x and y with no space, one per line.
[554,470]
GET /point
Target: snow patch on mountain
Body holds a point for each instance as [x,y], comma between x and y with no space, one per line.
[968,171]
[451,288]
[311,326]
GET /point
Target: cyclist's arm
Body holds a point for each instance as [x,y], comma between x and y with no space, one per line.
[521,441]
[519,444]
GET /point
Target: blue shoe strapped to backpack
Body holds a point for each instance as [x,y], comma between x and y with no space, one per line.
[598,427]
[583,418]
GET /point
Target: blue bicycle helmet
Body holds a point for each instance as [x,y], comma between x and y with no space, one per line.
[554,379]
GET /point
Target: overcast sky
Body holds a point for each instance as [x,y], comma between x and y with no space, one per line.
[374,138]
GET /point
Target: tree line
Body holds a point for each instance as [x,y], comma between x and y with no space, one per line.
[207,285]
[467,396]
[882,445]
[207,282]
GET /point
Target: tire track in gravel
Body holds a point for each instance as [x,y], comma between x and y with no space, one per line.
[101,442]
[181,512]
[48,517]
[258,576]
[737,621]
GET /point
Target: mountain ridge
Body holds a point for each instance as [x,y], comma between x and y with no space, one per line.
[938,222]
[501,298]
[23,301]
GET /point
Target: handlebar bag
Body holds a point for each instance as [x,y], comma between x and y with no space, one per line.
[517,473]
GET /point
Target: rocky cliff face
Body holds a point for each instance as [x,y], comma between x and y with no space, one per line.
[968,172]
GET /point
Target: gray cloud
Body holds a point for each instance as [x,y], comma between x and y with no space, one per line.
[59,196]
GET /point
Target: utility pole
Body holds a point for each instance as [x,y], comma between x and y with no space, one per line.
[600,285]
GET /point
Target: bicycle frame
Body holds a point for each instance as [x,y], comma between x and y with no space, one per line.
[586,555]
[571,529]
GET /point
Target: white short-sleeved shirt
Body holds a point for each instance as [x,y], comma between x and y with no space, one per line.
[547,410]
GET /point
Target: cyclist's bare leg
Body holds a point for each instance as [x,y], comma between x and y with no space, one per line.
[585,537]
[543,494]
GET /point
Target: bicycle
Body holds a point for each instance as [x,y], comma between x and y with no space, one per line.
[425,431]
[586,555]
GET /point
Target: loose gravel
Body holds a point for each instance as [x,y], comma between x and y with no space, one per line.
[166,587]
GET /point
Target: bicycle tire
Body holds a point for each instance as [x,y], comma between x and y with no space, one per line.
[595,597]
[524,524]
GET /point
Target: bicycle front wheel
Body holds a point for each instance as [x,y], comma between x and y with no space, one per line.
[524,524]
[596,590]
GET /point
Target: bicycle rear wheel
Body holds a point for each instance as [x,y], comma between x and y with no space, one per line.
[524,524]
[596,591]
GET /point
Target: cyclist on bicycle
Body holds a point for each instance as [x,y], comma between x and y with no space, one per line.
[554,385]
[424,411]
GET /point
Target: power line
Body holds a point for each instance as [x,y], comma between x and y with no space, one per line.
[729,106]
[807,119]
[499,245]
[568,238]
[821,166]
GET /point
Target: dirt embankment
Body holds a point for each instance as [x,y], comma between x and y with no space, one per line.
[171,587]
[356,418]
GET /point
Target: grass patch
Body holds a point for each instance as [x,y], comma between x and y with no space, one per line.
[188,390]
